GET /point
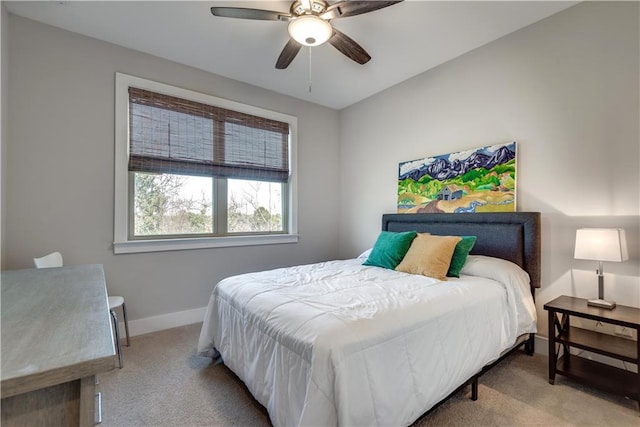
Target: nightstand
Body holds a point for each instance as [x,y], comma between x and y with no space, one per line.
[605,377]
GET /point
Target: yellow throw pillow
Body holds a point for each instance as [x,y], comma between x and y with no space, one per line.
[429,255]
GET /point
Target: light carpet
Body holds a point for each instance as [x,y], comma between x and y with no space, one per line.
[164,383]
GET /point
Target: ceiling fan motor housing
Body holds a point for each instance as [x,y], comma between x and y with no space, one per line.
[316,7]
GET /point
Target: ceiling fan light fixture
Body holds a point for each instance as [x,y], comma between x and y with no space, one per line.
[310,30]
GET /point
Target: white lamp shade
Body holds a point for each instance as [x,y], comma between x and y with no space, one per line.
[601,244]
[310,30]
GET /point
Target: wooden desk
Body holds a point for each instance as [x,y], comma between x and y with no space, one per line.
[56,337]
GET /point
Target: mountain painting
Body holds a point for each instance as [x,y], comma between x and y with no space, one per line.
[478,180]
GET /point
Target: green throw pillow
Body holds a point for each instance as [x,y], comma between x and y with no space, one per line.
[390,248]
[459,256]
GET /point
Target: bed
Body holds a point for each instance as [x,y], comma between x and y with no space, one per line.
[342,343]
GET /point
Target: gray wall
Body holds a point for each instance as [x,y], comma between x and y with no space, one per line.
[566,89]
[4,74]
[60,169]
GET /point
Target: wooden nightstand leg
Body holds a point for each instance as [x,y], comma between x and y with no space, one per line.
[638,366]
[552,347]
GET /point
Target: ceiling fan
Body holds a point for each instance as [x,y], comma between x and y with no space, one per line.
[309,25]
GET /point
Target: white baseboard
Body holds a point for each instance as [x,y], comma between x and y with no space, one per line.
[542,345]
[163,321]
[196,315]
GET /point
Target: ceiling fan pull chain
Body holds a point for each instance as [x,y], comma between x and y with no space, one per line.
[309,69]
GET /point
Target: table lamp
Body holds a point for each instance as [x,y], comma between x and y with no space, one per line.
[601,244]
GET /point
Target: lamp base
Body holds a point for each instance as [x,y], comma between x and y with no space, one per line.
[601,303]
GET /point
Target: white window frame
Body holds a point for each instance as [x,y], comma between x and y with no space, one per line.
[121,242]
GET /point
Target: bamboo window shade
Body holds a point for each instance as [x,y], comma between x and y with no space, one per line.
[178,136]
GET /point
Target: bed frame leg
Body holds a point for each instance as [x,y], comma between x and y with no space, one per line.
[530,345]
[474,389]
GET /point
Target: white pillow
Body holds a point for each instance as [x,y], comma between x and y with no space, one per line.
[365,254]
[497,269]
[515,280]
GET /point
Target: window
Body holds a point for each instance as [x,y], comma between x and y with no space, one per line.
[195,171]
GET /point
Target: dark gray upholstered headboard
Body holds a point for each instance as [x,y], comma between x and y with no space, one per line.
[514,236]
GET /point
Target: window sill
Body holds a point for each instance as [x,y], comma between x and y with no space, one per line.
[159,245]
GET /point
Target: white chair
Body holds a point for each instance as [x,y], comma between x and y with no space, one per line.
[54,259]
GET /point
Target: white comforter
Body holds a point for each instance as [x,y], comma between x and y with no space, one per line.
[339,343]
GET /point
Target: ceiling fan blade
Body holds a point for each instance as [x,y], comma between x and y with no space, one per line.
[349,47]
[289,52]
[245,13]
[343,9]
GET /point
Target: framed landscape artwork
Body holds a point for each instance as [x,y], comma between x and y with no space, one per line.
[478,180]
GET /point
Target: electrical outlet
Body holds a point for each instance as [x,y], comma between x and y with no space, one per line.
[623,332]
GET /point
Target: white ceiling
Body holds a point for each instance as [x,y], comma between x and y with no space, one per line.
[404,40]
